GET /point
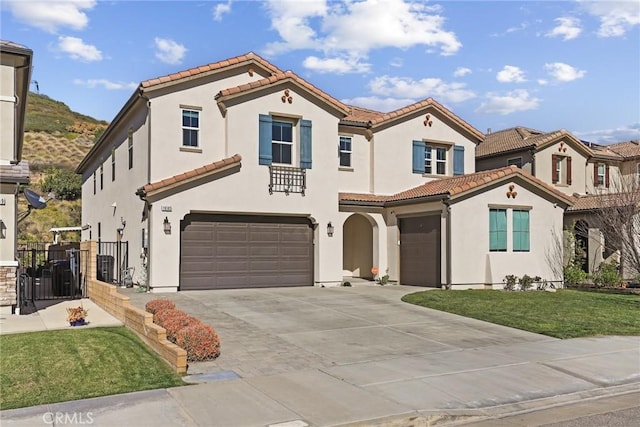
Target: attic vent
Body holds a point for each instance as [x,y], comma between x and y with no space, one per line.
[488,131]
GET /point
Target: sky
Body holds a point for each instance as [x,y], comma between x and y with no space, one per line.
[545,65]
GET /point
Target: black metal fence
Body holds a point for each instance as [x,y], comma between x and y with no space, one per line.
[54,273]
[112,261]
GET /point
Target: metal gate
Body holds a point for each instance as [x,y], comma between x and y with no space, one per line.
[51,274]
[112,261]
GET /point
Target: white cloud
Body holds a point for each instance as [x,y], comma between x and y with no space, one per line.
[610,136]
[511,102]
[51,15]
[221,9]
[562,72]
[354,28]
[521,27]
[510,74]
[408,88]
[169,51]
[616,17]
[336,65]
[397,62]
[378,103]
[77,49]
[543,82]
[106,84]
[568,28]
[461,72]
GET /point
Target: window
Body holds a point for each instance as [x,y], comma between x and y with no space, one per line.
[94,182]
[190,126]
[498,230]
[102,176]
[130,148]
[517,161]
[433,159]
[440,161]
[561,169]
[281,142]
[113,164]
[99,232]
[345,151]
[520,230]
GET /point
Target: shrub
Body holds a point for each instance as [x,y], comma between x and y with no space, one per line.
[574,275]
[160,317]
[174,324]
[65,183]
[510,282]
[157,305]
[200,341]
[526,282]
[607,275]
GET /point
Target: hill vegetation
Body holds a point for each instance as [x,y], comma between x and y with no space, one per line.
[56,139]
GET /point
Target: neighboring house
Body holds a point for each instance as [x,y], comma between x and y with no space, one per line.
[592,174]
[238,174]
[15,77]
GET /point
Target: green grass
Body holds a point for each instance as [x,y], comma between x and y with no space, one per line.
[57,366]
[563,314]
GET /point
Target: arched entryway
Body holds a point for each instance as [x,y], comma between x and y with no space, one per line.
[358,242]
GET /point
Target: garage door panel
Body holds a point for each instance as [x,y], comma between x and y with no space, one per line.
[420,251]
[238,252]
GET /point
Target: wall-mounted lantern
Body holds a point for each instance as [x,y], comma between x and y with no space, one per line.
[166,225]
[330,229]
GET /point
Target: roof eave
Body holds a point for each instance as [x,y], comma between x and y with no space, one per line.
[423,199]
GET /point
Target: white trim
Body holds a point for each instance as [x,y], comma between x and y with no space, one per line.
[8,98]
[8,263]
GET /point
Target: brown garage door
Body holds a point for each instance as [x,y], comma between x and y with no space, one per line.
[420,251]
[232,251]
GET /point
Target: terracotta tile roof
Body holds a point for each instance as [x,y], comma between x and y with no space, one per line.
[604,152]
[191,175]
[242,59]
[375,118]
[628,149]
[280,77]
[519,138]
[367,199]
[599,201]
[451,187]
[457,185]
[12,174]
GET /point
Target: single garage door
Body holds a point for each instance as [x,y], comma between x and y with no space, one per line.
[233,251]
[420,251]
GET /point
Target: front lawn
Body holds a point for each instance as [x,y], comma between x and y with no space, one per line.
[57,366]
[561,314]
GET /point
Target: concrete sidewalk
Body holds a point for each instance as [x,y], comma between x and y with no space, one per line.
[53,315]
[359,356]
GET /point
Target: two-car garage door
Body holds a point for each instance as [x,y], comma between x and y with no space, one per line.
[234,251]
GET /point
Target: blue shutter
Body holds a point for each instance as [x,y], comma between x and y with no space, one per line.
[418,156]
[305,144]
[264,131]
[458,160]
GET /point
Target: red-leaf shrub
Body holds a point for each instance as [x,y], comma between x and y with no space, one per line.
[173,324]
[171,314]
[200,341]
[157,305]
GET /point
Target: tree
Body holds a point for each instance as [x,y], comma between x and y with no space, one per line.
[64,182]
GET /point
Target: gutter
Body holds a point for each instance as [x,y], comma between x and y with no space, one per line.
[435,198]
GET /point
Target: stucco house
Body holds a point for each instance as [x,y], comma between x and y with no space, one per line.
[238,174]
[15,77]
[595,176]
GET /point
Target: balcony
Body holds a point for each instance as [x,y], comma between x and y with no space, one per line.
[286,179]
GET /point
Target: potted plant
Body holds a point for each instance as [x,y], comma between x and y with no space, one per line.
[77,316]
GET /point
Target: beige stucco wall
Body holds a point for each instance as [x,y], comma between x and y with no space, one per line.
[543,167]
[473,265]
[393,150]
[7,226]
[615,178]
[7,111]
[502,161]
[357,178]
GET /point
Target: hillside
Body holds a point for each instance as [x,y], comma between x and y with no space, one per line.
[55,137]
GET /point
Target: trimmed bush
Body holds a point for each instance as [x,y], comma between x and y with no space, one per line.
[173,324]
[161,317]
[200,341]
[157,305]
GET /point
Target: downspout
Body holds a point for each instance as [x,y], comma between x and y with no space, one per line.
[147,250]
[447,217]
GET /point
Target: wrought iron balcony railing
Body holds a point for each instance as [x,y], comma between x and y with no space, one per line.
[286,179]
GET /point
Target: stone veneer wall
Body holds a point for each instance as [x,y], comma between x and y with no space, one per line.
[139,321]
[8,274]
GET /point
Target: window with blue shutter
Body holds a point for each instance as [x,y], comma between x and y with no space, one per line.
[305,144]
[264,131]
[520,230]
[497,230]
[458,160]
[418,157]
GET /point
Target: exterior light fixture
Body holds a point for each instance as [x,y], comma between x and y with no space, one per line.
[166,225]
[330,229]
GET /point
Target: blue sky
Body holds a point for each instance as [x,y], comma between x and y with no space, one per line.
[546,65]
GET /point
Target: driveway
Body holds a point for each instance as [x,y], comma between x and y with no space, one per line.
[277,330]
